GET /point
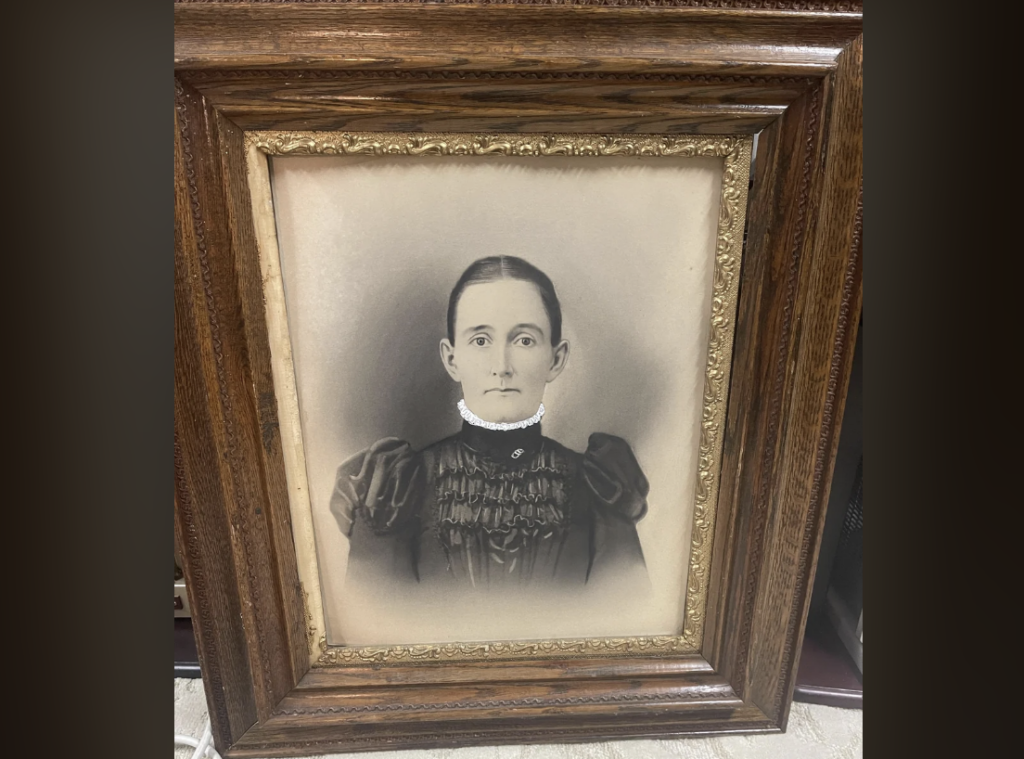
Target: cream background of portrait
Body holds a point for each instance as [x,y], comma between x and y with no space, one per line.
[370,248]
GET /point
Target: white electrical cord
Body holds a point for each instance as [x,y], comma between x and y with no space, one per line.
[203,747]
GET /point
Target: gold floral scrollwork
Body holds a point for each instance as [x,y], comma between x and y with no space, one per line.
[393,143]
[728,249]
[341,655]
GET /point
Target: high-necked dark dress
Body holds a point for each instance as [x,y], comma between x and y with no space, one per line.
[486,508]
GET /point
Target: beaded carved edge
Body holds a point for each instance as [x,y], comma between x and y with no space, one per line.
[736,152]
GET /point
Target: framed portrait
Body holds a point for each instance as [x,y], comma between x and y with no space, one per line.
[510,351]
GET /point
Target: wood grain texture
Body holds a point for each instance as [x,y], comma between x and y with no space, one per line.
[793,72]
[502,729]
[415,702]
[802,6]
[497,38]
[507,671]
[777,465]
[828,316]
[776,218]
[233,414]
[279,546]
[467,102]
[202,520]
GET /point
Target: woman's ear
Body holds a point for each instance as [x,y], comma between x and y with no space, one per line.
[448,359]
[561,356]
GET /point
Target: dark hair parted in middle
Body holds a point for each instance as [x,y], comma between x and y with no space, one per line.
[494,268]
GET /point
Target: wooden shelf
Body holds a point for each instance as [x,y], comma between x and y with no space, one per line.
[186,658]
[827,673]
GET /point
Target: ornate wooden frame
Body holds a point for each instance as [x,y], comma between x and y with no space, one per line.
[790,71]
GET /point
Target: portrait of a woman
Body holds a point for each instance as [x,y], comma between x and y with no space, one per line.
[498,503]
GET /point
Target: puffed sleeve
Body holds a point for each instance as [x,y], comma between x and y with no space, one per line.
[613,476]
[382,485]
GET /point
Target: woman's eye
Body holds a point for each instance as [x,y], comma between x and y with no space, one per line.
[526,341]
[481,341]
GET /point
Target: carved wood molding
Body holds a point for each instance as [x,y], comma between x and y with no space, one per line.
[204,75]
[842,6]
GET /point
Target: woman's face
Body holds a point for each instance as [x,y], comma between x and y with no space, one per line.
[502,354]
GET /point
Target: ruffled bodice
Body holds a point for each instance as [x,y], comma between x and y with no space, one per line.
[486,507]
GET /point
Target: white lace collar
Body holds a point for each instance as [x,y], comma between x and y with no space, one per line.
[476,421]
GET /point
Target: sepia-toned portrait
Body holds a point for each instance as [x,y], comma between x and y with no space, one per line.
[499,369]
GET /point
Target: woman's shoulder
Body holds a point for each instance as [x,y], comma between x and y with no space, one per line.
[612,475]
[600,445]
[384,484]
[612,450]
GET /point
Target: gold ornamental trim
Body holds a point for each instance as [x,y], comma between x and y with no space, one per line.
[736,152]
[564,648]
[425,144]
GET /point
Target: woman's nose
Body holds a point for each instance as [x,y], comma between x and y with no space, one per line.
[502,366]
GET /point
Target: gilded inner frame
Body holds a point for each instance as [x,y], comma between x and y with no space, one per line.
[736,152]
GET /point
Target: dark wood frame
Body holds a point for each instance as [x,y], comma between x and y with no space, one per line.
[791,71]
